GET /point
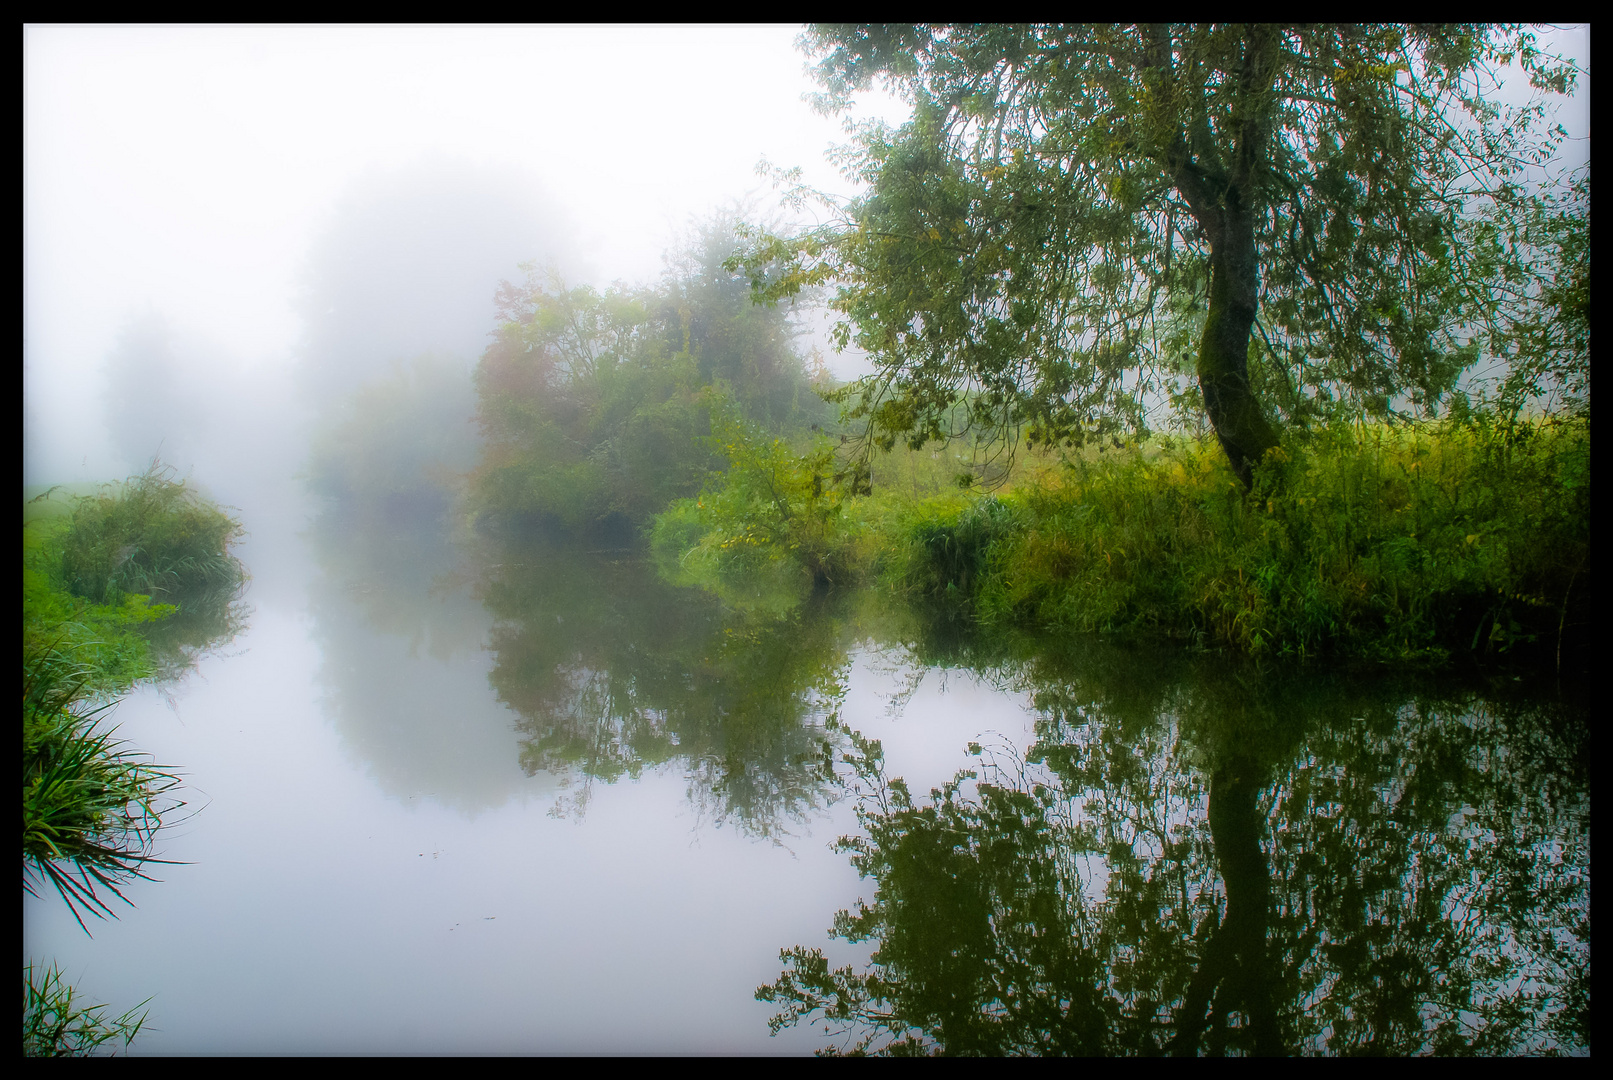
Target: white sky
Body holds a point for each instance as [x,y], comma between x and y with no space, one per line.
[187,168]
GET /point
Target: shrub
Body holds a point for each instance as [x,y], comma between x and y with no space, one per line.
[134,581]
[151,536]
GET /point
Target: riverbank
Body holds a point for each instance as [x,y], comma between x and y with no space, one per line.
[127,584]
[1405,544]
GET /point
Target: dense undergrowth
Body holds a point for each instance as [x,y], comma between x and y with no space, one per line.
[1388,543]
[134,581]
[128,584]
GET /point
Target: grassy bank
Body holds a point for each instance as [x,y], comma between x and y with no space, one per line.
[129,583]
[1385,543]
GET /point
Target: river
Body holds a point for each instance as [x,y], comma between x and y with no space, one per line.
[470,798]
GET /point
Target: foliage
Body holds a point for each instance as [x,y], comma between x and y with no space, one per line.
[1390,543]
[107,639]
[593,404]
[1548,341]
[1404,543]
[153,536]
[1320,215]
[136,580]
[56,1024]
[949,543]
[772,514]
[90,806]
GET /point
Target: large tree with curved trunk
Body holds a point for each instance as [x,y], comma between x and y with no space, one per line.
[1080,222]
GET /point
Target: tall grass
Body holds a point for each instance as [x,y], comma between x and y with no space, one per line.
[1395,543]
[137,579]
[1405,543]
[91,806]
[56,1022]
[152,536]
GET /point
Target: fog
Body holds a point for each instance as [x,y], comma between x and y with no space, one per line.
[223,226]
[222,221]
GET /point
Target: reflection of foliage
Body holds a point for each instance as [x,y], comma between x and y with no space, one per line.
[1224,862]
[613,672]
[394,569]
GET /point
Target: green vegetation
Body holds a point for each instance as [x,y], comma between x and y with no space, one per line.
[127,584]
[596,407]
[91,807]
[134,581]
[1082,220]
[770,526]
[1322,227]
[56,1024]
[1404,543]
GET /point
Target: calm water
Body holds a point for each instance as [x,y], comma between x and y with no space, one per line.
[500,799]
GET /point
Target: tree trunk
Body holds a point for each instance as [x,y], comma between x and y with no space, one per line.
[1223,365]
[1237,969]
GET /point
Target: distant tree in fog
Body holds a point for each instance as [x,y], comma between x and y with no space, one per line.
[154,402]
[408,263]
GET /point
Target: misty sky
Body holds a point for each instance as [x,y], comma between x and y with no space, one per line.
[186,172]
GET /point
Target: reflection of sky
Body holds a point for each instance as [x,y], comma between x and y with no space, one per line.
[321,909]
[417,710]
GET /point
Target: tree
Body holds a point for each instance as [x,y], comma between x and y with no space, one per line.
[1194,858]
[595,405]
[1071,210]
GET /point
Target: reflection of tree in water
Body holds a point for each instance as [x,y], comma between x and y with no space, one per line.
[1194,861]
[612,672]
[404,666]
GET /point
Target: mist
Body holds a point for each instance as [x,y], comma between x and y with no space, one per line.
[224,226]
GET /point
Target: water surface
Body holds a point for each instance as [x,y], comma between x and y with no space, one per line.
[497,797]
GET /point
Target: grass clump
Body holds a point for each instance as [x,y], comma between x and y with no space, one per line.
[152,536]
[55,1022]
[133,581]
[91,806]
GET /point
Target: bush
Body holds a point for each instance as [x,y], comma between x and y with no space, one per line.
[134,581]
[1406,543]
[773,524]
